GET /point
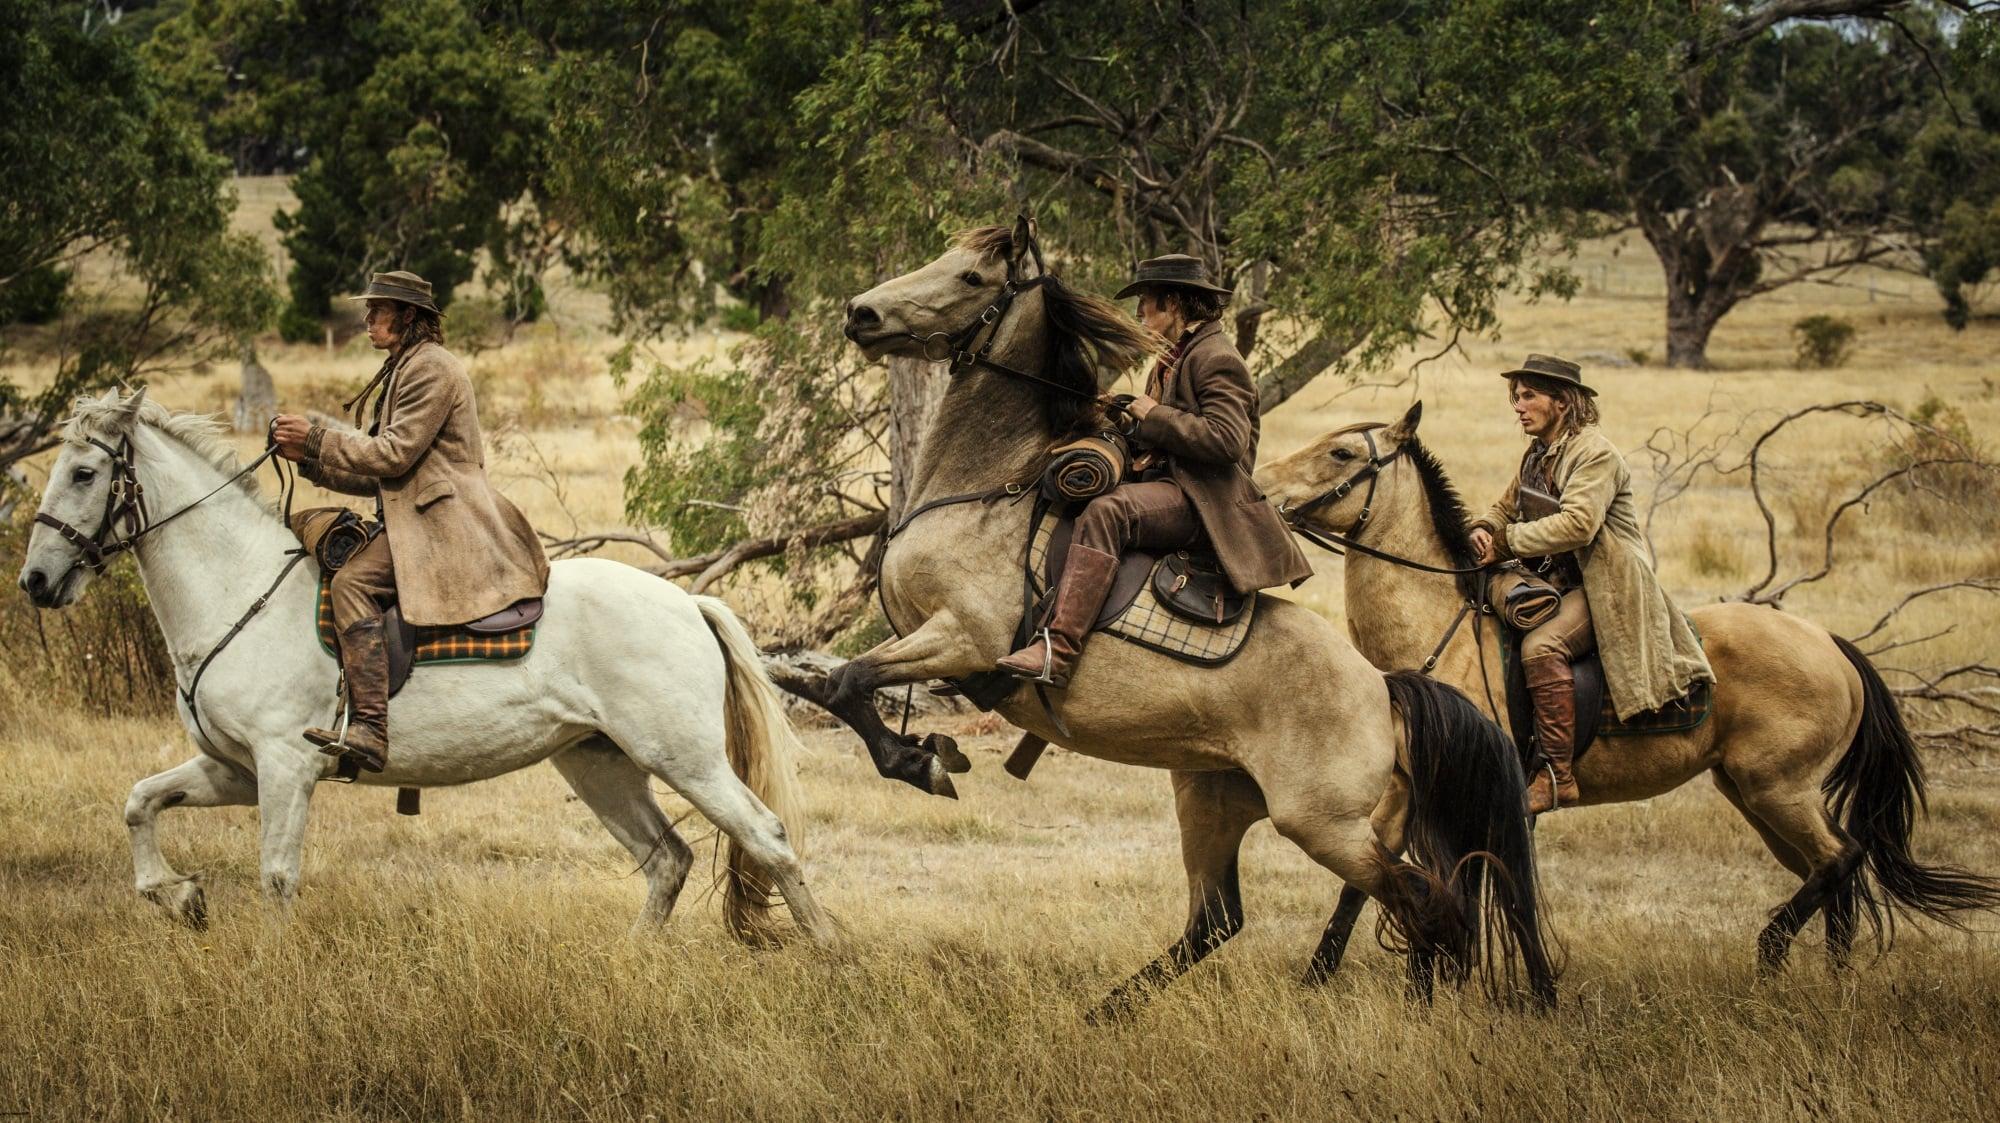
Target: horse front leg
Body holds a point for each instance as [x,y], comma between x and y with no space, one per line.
[939,649]
[285,780]
[201,782]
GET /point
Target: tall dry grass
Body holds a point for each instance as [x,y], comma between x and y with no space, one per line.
[474,963]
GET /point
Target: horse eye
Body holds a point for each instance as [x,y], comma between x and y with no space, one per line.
[973,279]
[1342,454]
[83,475]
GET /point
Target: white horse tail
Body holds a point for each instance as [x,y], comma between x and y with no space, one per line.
[763,752]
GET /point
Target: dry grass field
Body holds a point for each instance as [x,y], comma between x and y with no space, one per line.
[475,963]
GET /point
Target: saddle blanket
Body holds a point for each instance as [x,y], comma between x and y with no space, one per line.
[1149,624]
[447,644]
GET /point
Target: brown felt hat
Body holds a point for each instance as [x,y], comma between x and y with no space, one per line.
[401,285]
[1551,369]
[1173,269]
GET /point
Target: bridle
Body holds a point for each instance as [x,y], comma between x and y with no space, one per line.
[125,504]
[958,347]
[1370,474]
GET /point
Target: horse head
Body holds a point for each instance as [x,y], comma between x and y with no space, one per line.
[921,312]
[89,488]
[1328,484]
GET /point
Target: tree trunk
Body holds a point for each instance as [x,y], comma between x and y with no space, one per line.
[1299,368]
[1689,325]
[916,388]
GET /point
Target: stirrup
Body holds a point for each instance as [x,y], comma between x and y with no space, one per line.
[1048,675]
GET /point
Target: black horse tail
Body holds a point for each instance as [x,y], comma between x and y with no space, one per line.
[1471,904]
[1875,792]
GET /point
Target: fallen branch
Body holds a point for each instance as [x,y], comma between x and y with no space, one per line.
[711,566]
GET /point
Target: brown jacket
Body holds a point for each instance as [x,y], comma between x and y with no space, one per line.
[1650,654]
[461,550]
[1208,424]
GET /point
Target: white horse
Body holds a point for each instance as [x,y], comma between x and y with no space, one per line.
[630,677]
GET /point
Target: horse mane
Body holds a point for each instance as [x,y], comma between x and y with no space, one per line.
[201,433]
[1449,520]
[1091,340]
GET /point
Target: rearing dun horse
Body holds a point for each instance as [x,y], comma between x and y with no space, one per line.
[1804,738]
[1298,727]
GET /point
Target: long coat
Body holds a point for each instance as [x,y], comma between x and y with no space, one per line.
[1650,654]
[1208,425]
[461,550]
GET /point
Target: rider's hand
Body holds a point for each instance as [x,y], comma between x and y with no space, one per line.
[1141,406]
[288,432]
[1482,541]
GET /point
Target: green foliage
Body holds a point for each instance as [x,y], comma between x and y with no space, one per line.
[1950,177]
[93,159]
[421,124]
[36,296]
[1822,342]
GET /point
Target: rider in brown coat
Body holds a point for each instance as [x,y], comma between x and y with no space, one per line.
[1194,438]
[453,550]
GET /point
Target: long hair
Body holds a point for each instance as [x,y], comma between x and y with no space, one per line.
[414,325]
[1579,409]
[1091,340]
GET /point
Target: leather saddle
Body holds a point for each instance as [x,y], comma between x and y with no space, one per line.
[1189,582]
[1594,715]
[399,636]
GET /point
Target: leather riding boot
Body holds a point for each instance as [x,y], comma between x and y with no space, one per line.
[1552,688]
[365,661]
[1086,581]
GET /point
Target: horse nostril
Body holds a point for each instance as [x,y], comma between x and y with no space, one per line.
[35,583]
[862,314]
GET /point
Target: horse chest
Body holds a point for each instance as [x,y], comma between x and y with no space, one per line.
[945,564]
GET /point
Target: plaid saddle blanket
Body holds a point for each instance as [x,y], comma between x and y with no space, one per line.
[449,644]
[1148,623]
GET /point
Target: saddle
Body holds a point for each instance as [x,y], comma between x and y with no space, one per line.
[1595,716]
[1178,603]
[506,634]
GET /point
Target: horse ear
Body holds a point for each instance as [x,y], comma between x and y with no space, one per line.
[1406,428]
[128,409]
[1024,234]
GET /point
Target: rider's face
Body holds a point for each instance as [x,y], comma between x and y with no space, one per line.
[1161,315]
[1539,414]
[381,323]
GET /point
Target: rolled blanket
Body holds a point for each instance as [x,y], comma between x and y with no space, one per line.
[1087,467]
[331,534]
[1523,600]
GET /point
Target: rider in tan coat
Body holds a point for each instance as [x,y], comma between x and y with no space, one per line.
[1596,554]
[453,549]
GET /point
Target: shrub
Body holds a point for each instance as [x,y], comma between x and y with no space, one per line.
[1822,342]
[103,653]
[1640,356]
[35,297]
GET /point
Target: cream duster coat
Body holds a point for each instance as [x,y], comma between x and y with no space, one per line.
[1650,654]
[462,551]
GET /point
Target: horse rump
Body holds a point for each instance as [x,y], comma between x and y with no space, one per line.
[1470,904]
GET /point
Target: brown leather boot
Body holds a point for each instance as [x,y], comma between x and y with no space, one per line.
[1552,687]
[366,664]
[1086,581]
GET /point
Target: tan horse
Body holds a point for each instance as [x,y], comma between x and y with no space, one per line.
[1804,738]
[1298,727]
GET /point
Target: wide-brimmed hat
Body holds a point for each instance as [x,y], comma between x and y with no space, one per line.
[1173,269]
[1552,369]
[401,285]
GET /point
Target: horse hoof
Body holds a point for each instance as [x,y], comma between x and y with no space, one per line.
[940,780]
[1117,1010]
[184,901]
[946,750]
